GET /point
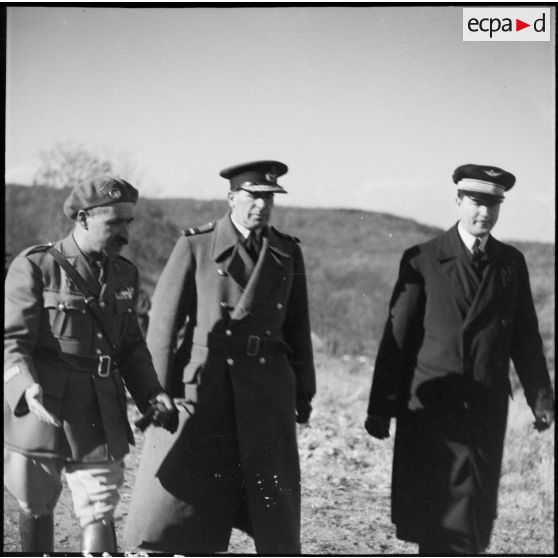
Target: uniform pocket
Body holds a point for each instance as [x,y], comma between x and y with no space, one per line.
[67,315]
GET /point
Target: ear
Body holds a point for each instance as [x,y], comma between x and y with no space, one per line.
[458,201]
[231,199]
[81,219]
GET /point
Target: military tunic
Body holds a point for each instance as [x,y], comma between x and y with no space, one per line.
[233,338]
[51,338]
[442,370]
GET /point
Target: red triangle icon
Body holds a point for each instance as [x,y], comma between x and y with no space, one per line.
[519,25]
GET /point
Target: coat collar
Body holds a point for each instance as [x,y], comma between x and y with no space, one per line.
[78,260]
[226,239]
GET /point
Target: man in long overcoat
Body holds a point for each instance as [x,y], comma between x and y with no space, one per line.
[461,308]
[230,336]
[64,371]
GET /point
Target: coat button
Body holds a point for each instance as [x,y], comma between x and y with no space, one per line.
[228,332]
[279,306]
[99,335]
[61,306]
[98,351]
[261,360]
[223,305]
[102,304]
[220,272]
[230,361]
[267,332]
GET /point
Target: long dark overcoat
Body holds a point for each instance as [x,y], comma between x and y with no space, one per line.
[442,370]
[51,338]
[234,337]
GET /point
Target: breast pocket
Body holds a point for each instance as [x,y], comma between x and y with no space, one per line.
[68,315]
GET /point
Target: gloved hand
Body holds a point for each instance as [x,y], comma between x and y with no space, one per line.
[34,399]
[543,410]
[161,412]
[303,410]
[377,426]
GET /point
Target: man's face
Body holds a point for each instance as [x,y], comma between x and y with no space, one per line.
[251,209]
[107,227]
[478,214]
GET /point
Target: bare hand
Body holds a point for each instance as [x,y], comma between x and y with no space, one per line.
[34,400]
[377,426]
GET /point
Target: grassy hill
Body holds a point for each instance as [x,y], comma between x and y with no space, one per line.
[351,256]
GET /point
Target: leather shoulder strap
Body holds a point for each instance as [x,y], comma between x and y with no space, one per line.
[90,299]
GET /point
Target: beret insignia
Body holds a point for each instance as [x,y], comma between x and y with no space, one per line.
[492,173]
[115,194]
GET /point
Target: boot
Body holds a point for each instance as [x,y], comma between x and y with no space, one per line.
[36,533]
[99,536]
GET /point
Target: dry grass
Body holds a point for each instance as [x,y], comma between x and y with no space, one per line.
[346,481]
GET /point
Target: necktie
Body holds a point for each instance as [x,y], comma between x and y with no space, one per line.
[478,258]
[252,245]
[98,267]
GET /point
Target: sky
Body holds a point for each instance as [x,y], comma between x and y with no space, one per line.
[370,107]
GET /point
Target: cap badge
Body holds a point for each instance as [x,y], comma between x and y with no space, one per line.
[492,173]
[271,177]
[115,194]
[247,184]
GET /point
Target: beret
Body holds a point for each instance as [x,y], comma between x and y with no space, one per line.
[483,179]
[99,191]
[256,176]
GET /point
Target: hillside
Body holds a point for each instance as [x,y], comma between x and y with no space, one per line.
[351,256]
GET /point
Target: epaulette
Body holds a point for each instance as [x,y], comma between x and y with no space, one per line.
[199,230]
[37,248]
[287,236]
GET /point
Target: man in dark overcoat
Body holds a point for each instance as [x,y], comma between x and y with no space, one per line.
[64,397]
[230,336]
[461,308]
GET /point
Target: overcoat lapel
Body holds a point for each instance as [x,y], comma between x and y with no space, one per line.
[449,256]
[265,278]
[496,277]
[228,252]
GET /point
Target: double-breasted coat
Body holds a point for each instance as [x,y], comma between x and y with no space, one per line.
[232,337]
[52,339]
[442,370]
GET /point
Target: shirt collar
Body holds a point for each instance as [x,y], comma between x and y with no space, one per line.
[468,239]
[241,229]
[97,258]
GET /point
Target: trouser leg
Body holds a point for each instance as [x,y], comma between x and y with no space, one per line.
[447,546]
[36,485]
[36,533]
[94,488]
[99,536]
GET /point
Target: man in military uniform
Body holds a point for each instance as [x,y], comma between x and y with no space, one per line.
[64,366]
[230,335]
[461,308]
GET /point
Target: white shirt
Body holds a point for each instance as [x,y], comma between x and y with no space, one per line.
[243,230]
[468,239]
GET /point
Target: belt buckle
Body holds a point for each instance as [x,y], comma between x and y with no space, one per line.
[103,368]
[253,345]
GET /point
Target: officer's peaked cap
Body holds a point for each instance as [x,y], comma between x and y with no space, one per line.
[257,176]
[483,179]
